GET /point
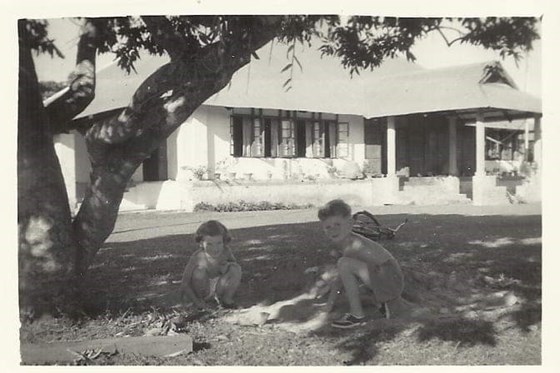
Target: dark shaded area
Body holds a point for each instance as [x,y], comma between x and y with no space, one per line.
[362,344]
[484,254]
[467,332]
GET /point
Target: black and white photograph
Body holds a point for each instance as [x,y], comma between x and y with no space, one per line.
[300,187]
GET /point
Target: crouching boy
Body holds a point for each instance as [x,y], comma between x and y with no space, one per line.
[361,261]
[212,272]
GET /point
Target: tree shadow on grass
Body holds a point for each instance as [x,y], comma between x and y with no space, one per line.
[362,345]
[467,332]
[450,261]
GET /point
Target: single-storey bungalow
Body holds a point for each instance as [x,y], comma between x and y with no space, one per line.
[397,134]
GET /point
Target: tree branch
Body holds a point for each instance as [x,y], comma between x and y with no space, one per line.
[443,36]
[182,85]
[81,82]
[119,144]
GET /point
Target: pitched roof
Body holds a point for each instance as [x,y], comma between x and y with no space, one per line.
[395,88]
[479,85]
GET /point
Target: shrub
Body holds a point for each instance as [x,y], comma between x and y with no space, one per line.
[248,206]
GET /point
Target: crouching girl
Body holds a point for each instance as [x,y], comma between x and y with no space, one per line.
[212,272]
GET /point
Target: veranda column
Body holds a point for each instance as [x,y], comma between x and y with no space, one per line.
[453,170]
[537,156]
[526,140]
[480,145]
[391,148]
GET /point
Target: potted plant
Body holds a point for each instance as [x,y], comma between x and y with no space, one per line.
[200,172]
[223,167]
[369,169]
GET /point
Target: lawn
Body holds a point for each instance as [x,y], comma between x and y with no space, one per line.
[473,272]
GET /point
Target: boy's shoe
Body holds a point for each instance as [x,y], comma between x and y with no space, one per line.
[229,306]
[348,321]
[384,309]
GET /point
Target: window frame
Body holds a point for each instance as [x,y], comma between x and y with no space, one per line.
[277,136]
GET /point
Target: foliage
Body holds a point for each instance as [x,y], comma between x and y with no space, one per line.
[370,167]
[199,171]
[249,206]
[38,38]
[361,42]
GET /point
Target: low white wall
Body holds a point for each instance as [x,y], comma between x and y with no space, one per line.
[486,192]
[530,190]
[174,195]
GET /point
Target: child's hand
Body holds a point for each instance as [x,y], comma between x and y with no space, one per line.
[335,254]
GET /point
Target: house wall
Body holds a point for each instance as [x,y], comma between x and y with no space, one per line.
[64,145]
[72,154]
[204,140]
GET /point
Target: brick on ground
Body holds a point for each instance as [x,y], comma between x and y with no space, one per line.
[58,352]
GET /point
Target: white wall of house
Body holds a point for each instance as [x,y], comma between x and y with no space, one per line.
[64,145]
[356,137]
[204,140]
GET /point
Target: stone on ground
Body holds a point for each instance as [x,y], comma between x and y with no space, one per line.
[66,352]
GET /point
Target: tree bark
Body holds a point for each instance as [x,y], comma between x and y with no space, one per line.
[46,251]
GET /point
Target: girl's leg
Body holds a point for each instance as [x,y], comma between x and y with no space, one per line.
[228,283]
[350,270]
[201,283]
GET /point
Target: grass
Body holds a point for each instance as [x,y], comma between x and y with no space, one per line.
[476,270]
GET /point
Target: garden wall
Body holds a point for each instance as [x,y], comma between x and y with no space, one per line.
[174,195]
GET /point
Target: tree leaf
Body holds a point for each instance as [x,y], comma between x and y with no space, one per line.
[255,55]
[290,49]
[298,63]
[287,67]
[287,82]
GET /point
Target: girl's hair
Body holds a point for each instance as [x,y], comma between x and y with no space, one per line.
[212,228]
[336,207]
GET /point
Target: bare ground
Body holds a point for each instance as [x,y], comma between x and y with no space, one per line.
[473,290]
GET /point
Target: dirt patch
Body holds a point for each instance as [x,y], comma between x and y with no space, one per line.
[474,274]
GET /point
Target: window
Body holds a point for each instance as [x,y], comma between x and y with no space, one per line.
[287,139]
[286,136]
[506,145]
[342,140]
[257,145]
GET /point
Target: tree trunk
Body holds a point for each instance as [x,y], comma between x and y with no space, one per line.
[52,249]
[46,250]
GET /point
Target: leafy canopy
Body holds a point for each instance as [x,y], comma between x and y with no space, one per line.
[361,42]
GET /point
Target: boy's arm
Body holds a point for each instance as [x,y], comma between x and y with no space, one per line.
[186,287]
[336,286]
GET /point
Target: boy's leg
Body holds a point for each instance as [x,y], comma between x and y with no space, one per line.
[200,283]
[228,283]
[350,270]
